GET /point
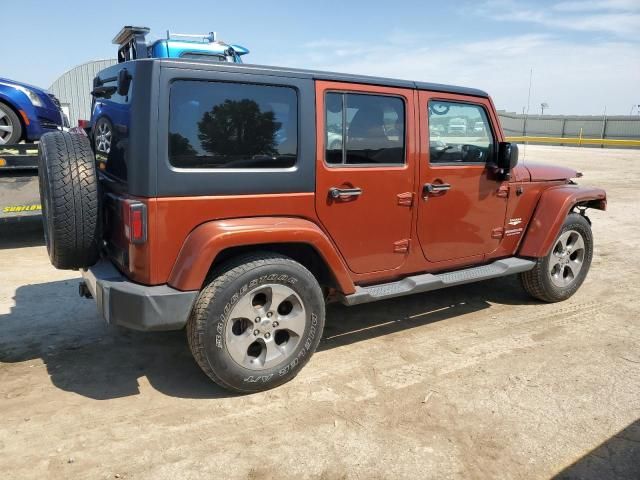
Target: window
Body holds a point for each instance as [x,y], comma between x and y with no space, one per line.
[211,57]
[373,126]
[459,133]
[232,125]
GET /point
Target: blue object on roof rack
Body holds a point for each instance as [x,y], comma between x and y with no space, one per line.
[133,45]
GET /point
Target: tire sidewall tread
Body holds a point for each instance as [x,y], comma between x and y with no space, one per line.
[69,193]
[537,281]
[207,324]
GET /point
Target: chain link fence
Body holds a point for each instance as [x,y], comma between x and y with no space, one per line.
[618,127]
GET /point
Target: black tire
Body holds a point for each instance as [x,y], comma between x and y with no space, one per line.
[231,286]
[8,118]
[539,282]
[70,200]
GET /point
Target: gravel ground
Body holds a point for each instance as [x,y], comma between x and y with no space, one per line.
[472,382]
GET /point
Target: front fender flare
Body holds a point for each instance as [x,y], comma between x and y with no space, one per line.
[553,207]
[206,241]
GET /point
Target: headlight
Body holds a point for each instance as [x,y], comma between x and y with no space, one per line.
[33,97]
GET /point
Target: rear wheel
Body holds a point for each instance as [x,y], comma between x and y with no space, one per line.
[10,126]
[257,322]
[559,275]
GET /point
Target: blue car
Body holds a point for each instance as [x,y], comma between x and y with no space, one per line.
[109,124]
[27,112]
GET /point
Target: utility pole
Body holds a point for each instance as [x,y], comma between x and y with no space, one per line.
[604,125]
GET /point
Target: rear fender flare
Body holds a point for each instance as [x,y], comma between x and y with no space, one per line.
[553,207]
[206,241]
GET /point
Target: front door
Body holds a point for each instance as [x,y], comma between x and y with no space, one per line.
[365,180]
[462,204]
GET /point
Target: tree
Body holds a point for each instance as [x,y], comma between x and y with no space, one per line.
[238,127]
[179,146]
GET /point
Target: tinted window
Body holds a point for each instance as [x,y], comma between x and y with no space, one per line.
[373,126]
[459,133]
[232,125]
[204,56]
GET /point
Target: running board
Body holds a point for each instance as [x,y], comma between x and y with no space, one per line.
[428,281]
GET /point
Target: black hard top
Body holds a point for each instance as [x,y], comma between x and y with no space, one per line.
[316,75]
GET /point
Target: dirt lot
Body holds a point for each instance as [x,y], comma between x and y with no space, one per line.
[472,382]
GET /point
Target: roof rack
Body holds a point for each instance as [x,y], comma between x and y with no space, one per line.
[209,37]
[128,33]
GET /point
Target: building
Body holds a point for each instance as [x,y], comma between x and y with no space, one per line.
[73,89]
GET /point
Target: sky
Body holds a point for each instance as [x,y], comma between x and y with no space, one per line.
[585,55]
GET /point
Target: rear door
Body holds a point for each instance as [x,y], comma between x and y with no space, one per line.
[365,181]
[463,203]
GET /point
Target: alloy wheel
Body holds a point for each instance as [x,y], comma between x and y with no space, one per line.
[567,258]
[6,128]
[103,137]
[265,326]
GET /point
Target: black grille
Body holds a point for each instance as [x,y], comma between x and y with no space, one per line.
[55,100]
[46,123]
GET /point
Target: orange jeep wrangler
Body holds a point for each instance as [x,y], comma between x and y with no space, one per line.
[236,200]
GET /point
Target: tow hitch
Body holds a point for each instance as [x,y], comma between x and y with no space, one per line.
[83,290]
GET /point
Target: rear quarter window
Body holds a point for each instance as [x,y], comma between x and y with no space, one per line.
[214,125]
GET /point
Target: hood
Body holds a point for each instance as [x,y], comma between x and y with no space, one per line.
[26,85]
[540,172]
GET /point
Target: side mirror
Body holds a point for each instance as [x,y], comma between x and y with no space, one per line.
[507,158]
[124,81]
[103,92]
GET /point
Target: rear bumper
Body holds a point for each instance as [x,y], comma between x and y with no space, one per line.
[139,307]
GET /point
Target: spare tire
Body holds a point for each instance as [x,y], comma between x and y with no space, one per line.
[70,200]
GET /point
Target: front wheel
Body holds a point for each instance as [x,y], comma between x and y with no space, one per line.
[10,127]
[559,275]
[257,322]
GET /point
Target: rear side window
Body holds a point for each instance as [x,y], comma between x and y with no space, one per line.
[459,133]
[373,126]
[232,125]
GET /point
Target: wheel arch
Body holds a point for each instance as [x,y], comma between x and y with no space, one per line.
[553,207]
[212,243]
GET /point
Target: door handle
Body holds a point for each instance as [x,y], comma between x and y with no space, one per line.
[337,193]
[430,188]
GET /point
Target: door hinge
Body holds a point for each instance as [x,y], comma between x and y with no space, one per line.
[405,199]
[503,191]
[497,232]
[401,246]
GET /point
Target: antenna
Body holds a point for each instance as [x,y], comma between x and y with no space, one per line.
[524,152]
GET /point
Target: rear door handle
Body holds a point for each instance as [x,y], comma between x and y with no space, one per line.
[338,193]
[430,188]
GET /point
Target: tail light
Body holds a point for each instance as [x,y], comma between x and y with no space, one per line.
[134,214]
[83,123]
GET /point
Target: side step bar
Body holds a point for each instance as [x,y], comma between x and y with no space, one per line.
[427,282]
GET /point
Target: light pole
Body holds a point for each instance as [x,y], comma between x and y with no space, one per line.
[543,105]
